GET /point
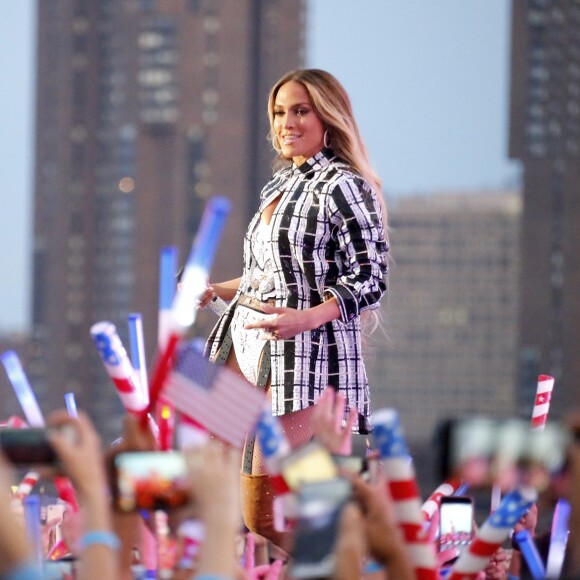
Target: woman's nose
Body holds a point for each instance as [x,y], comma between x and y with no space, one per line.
[288,120]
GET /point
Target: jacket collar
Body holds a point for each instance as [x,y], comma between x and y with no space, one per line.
[317,162]
[281,178]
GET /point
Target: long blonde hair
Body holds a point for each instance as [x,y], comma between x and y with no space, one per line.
[332,106]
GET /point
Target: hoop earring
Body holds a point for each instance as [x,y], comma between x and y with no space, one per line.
[326,139]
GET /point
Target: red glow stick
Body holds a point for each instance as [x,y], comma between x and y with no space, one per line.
[542,402]
[166,423]
[66,491]
[431,505]
[27,484]
[167,285]
[160,373]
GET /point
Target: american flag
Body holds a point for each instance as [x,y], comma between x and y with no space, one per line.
[272,440]
[226,404]
[398,467]
[493,533]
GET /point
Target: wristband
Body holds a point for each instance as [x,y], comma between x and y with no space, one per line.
[108,539]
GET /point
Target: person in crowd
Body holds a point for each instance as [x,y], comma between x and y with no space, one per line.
[77,446]
[314,266]
[16,555]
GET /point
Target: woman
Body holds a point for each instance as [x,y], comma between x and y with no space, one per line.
[314,262]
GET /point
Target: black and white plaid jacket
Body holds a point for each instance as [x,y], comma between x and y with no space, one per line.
[330,241]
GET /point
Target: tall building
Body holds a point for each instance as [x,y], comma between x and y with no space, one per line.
[451,327]
[545,137]
[145,108]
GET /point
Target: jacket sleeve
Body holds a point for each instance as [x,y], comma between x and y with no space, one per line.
[361,253]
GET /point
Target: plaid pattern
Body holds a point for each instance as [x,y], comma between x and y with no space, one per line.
[328,238]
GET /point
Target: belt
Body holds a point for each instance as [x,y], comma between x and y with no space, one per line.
[254,303]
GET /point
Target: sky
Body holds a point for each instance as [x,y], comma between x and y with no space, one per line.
[428,81]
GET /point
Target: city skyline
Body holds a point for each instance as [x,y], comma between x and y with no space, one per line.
[431,120]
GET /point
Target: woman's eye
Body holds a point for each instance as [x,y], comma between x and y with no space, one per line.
[278,113]
[302,112]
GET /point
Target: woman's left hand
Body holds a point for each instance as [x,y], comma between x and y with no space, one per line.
[288,323]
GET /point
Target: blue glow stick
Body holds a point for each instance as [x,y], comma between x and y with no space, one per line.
[462,489]
[196,272]
[167,285]
[31,506]
[530,553]
[137,346]
[71,404]
[167,273]
[22,388]
[193,284]
[558,539]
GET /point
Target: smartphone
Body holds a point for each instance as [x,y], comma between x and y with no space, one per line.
[455,522]
[150,480]
[351,463]
[319,509]
[26,447]
[307,464]
[479,448]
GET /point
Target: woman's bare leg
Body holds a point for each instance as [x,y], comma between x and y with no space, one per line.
[257,492]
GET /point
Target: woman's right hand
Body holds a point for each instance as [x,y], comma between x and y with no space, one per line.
[207,296]
[224,290]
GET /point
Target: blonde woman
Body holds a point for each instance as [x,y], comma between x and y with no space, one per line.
[315,261]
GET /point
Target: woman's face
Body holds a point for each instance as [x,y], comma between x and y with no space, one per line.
[299,131]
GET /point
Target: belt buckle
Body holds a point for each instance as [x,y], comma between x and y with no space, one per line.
[250,302]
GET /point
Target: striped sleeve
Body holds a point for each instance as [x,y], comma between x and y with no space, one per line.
[361,248]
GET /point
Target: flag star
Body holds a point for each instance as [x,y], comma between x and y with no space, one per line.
[512,506]
[397,447]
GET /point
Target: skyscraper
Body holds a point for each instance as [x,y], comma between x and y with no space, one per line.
[545,136]
[452,309]
[145,108]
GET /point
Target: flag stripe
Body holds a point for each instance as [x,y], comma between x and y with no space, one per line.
[402,490]
[224,403]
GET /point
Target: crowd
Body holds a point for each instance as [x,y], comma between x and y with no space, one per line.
[103,542]
[314,271]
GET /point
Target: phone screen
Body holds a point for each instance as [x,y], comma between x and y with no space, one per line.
[27,446]
[320,508]
[308,464]
[152,480]
[455,522]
